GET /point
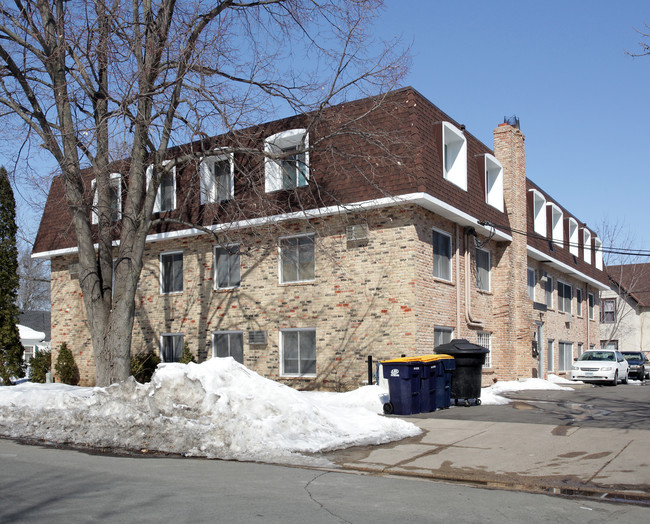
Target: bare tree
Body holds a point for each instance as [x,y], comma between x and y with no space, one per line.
[34,291]
[96,80]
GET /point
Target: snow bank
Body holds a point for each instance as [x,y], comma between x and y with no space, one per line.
[492,394]
[217,409]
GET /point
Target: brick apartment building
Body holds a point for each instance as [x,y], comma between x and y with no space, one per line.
[351,246]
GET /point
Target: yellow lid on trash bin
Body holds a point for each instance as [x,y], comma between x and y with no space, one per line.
[419,358]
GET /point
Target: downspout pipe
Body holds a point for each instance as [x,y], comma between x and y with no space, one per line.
[469,318]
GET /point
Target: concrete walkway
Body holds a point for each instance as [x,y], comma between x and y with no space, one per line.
[608,463]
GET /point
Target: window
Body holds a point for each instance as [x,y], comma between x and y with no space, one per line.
[557,224]
[586,240]
[565,356]
[287,163]
[578,301]
[297,259]
[166,196]
[483,338]
[217,178]
[549,292]
[228,344]
[580,348]
[573,237]
[591,299]
[226,267]
[531,283]
[442,335]
[609,344]
[454,152]
[171,347]
[608,310]
[598,250]
[115,195]
[298,348]
[493,182]
[171,272]
[549,355]
[441,255]
[564,296]
[483,269]
[539,212]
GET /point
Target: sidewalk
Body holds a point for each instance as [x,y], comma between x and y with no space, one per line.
[609,463]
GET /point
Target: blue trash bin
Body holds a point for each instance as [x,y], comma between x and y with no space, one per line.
[404,377]
[443,391]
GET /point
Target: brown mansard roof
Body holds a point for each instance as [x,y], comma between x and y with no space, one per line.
[634,279]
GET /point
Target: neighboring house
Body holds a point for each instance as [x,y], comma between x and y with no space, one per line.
[445,238]
[34,330]
[625,308]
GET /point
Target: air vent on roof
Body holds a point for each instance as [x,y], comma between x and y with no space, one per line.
[257,338]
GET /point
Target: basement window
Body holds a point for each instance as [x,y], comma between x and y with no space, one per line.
[454,155]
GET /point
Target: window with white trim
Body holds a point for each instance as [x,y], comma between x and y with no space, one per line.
[557,224]
[608,310]
[298,352]
[227,267]
[228,344]
[581,348]
[166,195]
[548,288]
[578,302]
[598,251]
[441,255]
[115,191]
[483,338]
[539,212]
[171,272]
[549,355]
[592,305]
[442,335]
[586,241]
[574,241]
[564,297]
[297,261]
[482,269]
[531,283]
[217,175]
[171,347]
[286,165]
[454,155]
[493,182]
[565,356]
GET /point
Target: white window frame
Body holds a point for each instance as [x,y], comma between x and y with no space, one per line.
[578,301]
[548,291]
[157,207]
[603,311]
[592,306]
[487,270]
[586,245]
[565,356]
[562,300]
[574,240]
[484,338]
[281,276]
[274,145]
[116,181]
[449,331]
[160,258]
[531,289]
[209,187]
[169,335]
[598,251]
[557,224]
[539,212]
[215,274]
[550,355]
[454,155]
[282,351]
[229,333]
[581,348]
[442,257]
[493,182]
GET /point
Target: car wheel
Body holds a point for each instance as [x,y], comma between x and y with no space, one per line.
[626,379]
[615,381]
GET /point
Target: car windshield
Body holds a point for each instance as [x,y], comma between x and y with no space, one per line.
[598,355]
[630,355]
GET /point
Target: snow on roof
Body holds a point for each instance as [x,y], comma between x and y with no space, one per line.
[28,335]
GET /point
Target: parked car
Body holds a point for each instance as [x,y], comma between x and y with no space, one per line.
[646,363]
[637,361]
[600,366]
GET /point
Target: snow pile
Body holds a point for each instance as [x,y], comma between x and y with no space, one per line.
[492,394]
[217,409]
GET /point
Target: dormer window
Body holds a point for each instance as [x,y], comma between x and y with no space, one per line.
[557,224]
[454,155]
[586,242]
[574,241]
[539,212]
[493,182]
[287,163]
[115,189]
[166,196]
[217,178]
[598,249]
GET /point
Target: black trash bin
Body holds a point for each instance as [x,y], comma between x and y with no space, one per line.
[466,377]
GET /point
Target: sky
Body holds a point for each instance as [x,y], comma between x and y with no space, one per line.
[562,68]
[216,409]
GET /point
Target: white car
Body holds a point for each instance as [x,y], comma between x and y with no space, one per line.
[600,365]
